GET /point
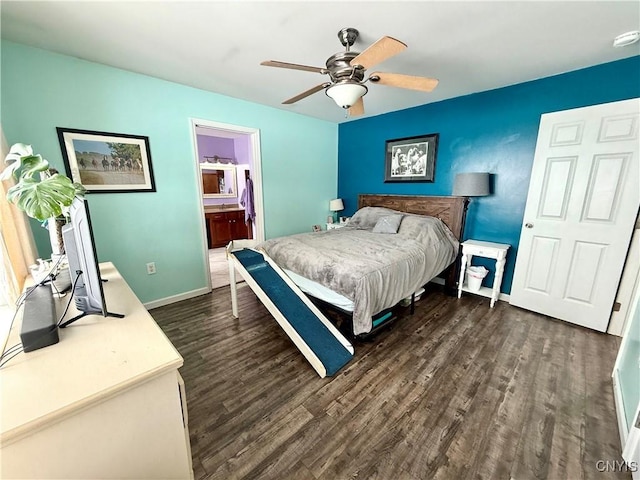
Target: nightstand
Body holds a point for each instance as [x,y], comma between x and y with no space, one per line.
[334,226]
[496,251]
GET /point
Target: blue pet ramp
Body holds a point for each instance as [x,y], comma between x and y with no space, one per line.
[324,347]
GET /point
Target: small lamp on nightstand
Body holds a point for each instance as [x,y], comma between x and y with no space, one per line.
[336,206]
[474,184]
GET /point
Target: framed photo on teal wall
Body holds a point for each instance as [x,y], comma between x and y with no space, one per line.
[107,162]
[411,159]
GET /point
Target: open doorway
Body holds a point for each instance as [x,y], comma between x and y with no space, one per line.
[228,165]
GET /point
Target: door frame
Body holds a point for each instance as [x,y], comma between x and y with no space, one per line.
[629,437]
[254,141]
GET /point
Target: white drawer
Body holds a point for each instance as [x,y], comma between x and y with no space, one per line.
[481,252]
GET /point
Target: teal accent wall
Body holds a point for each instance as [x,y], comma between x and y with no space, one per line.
[493,131]
[43,90]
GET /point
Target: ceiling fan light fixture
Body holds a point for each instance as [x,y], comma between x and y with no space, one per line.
[346,94]
[625,39]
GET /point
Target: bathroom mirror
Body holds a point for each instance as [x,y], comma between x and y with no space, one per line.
[218,180]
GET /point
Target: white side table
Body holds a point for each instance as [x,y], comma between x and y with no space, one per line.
[497,251]
[334,226]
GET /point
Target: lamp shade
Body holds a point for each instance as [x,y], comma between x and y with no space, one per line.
[346,94]
[471,184]
[336,205]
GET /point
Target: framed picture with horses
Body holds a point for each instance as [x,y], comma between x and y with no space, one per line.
[107,162]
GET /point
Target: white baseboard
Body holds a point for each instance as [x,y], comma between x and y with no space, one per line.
[487,292]
[161,302]
[503,296]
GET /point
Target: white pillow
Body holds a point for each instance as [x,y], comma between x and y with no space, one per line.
[388,224]
[367,217]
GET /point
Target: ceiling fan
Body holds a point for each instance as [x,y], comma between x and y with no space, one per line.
[346,70]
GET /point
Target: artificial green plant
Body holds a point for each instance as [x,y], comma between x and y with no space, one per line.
[40,191]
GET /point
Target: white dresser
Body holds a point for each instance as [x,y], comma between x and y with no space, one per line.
[105,402]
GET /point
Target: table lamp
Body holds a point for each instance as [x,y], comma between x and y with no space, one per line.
[475,184]
[335,206]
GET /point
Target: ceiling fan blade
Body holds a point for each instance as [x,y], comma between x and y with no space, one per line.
[302,95]
[378,52]
[404,81]
[293,66]
[357,108]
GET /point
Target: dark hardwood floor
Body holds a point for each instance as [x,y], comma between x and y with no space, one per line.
[455,391]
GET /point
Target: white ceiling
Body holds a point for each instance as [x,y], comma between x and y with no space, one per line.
[218,46]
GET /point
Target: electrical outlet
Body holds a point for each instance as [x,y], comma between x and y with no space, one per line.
[151,268]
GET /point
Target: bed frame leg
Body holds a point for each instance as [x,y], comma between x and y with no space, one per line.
[232,282]
[413,303]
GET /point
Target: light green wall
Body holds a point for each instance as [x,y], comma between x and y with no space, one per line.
[43,90]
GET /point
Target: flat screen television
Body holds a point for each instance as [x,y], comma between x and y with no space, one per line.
[80,249]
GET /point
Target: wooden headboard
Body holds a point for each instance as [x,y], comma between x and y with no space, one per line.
[451,210]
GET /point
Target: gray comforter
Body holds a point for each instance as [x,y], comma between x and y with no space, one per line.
[374,270]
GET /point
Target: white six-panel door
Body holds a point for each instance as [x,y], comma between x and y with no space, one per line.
[581,208]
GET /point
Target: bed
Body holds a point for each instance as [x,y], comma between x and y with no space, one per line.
[362,271]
